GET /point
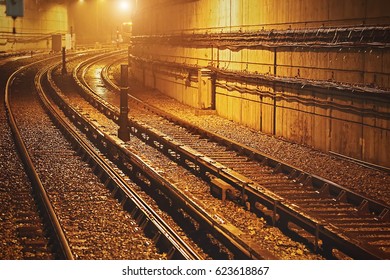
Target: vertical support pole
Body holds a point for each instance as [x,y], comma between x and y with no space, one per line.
[212,55]
[317,238]
[275,213]
[123,131]
[129,50]
[274,88]
[213,91]
[217,57]
[244,197]
[71,38]
[275,62]
[64,72]
[117,37]
[14,25]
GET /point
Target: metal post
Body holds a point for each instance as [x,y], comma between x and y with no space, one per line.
[129,50]
[123,131]
[64,72]
[13,27]
[274,91]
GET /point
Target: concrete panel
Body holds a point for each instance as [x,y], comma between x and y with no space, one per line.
[249,13]
[376,142]
[322,121]
[339,10]
[373,60]
[222,102]
[250,111]
[350,143]
[317,12]
[292,121]
[260,61]
[306,124]
[346,131]
[377,8]
[234,106]
[267,110]
[281,118]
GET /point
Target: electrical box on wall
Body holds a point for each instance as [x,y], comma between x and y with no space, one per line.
[14,8]
[56,42]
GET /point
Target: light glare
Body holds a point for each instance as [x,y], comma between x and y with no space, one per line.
[124,5]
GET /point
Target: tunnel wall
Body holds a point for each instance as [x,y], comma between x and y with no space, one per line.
[169,16]
[34,29]
[98,21]
[313,72]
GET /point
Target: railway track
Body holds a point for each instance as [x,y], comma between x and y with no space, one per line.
[70,179]
[186,190]
[30,208]
[211,232]
[335,217]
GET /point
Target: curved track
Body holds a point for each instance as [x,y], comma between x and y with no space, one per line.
[40,193]
[208,223]
[336,217]
[79,209]
[229,219]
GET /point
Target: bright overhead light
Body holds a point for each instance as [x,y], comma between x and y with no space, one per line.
[124,5]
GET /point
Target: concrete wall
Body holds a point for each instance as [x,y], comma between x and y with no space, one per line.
[33,31]
[350,115]
[97,20]
[216,15]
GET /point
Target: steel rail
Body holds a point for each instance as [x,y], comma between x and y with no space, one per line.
[150,219]
[318,182]
[54,224]
[257,193]
[227,232]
